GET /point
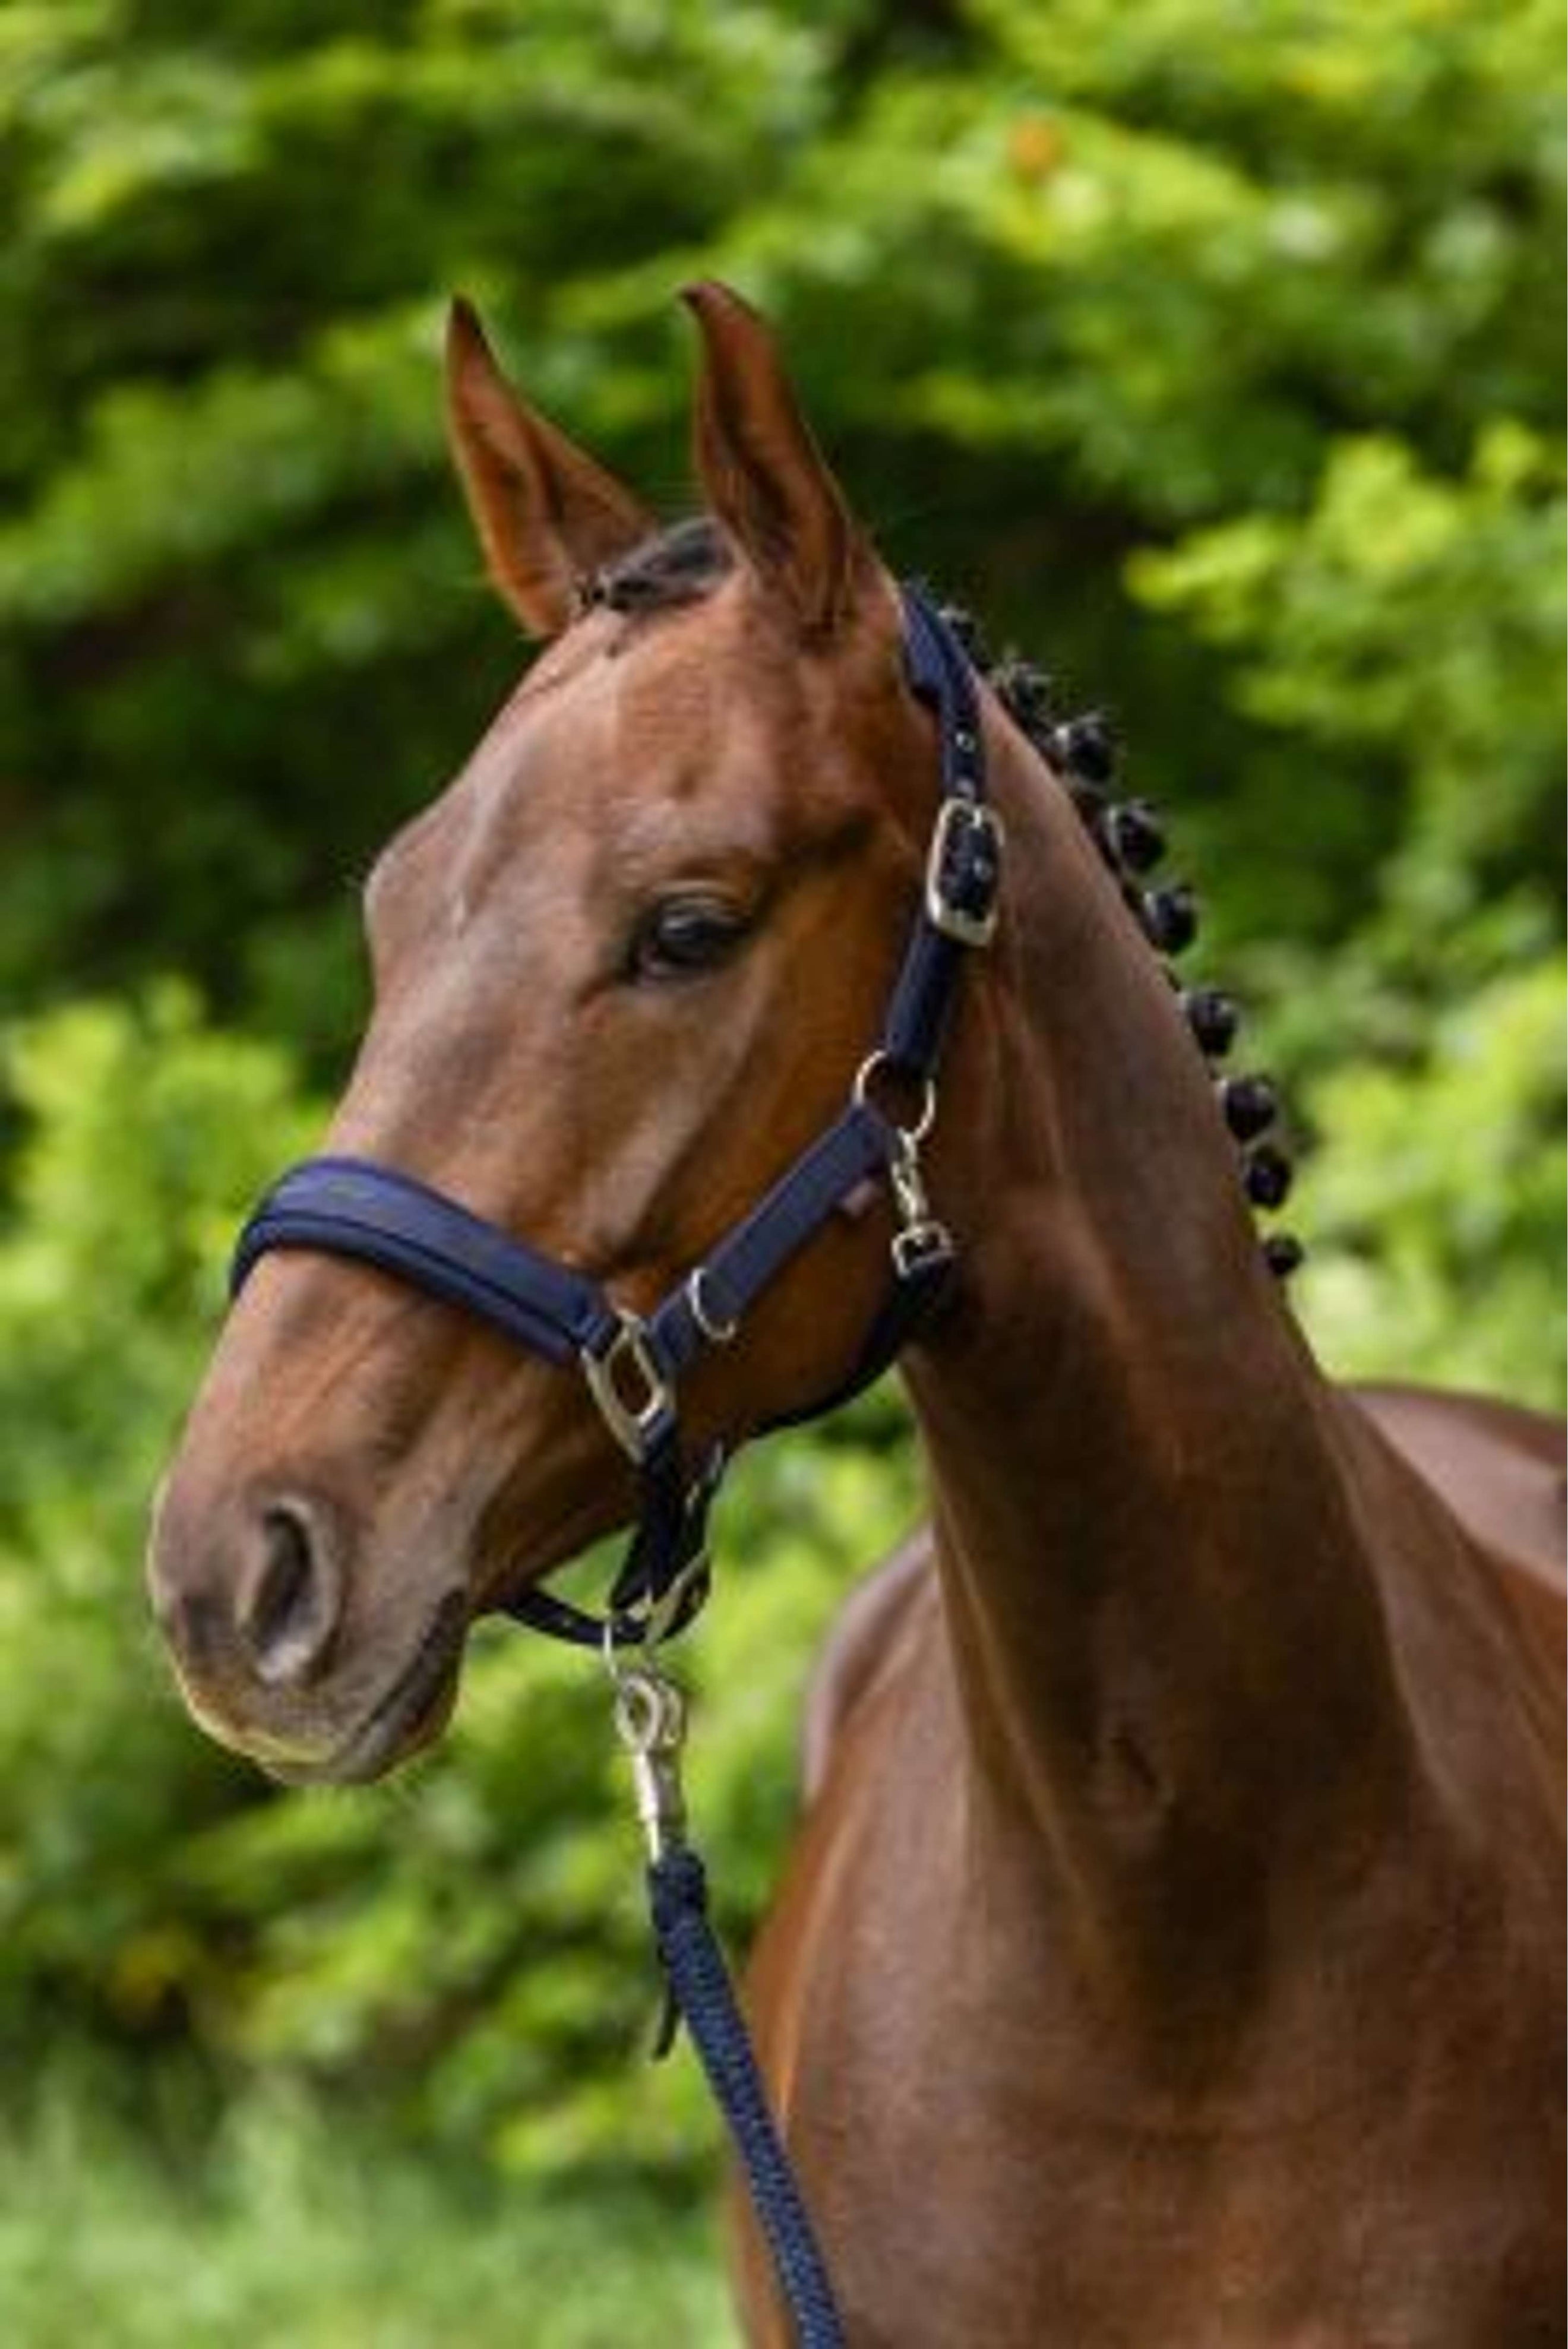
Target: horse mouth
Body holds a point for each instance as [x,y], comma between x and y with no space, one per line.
[408,1715]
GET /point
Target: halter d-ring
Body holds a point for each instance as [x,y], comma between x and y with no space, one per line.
[718,1329]
[870,1068]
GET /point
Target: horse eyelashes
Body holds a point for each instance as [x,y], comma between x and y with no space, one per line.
[684,938]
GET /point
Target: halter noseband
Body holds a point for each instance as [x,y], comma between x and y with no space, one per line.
[632,1363]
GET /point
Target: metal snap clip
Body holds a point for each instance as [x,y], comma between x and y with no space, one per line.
[651,1723]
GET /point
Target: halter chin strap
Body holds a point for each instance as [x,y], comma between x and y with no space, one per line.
[632,1363]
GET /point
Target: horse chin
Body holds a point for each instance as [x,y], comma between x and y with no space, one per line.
[410,1713]
[383,1741]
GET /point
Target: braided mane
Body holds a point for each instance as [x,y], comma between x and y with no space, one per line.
[1130,837]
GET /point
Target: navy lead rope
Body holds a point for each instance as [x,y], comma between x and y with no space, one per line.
[650,1717]
[700,1987]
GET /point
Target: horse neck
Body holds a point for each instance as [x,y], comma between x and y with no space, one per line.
[1170,1654]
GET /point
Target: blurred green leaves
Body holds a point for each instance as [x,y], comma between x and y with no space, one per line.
[1440,1235]
[144,1135]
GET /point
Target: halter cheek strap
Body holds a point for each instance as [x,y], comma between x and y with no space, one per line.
[631,1363]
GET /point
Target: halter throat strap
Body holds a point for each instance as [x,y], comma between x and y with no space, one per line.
[633,1364]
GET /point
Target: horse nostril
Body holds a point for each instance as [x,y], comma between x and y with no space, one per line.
[292,1596]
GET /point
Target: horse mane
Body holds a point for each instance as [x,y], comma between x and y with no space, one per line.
[679,566]
[683,562]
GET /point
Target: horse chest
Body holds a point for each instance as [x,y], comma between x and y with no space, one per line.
[988,2163]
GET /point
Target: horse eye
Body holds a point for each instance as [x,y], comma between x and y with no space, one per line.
[683,936]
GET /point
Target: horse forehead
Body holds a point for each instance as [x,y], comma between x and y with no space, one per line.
[696,696]
[672,719]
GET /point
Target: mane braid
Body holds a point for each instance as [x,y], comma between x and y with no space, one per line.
[1082,753]
[680,565]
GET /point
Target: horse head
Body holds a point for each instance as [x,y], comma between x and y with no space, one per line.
[624,967]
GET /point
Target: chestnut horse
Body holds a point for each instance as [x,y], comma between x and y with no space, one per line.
[1170,1953]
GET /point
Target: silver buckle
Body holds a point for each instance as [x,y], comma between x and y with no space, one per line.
[632,1417]
[956,921]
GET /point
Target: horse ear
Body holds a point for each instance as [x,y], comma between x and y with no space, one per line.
[762,473]
[546,514]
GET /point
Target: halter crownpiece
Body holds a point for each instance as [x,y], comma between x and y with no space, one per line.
[631,1364]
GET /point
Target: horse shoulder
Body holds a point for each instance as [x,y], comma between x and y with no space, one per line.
[1475,1603]
[1500,1467]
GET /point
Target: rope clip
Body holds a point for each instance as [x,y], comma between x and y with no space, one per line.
[920,1239]
[651,1723]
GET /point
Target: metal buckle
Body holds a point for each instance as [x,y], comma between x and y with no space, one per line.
[634,1418]
[970,927]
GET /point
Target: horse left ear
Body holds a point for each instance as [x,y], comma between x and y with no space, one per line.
[761,471]
[547,515]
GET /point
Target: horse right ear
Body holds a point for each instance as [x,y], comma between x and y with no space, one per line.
[547,515]
[762,473]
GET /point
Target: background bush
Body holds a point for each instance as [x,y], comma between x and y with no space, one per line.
[1211,353]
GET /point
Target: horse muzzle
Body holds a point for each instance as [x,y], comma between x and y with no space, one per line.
[253,1603]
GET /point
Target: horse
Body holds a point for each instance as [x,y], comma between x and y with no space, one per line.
[1170,1951]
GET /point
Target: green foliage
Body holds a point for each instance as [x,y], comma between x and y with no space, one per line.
[293,2235]
[145,1136]
[1442,1251]
[1416,621]
[1413,616]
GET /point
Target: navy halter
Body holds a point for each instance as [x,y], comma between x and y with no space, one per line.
[632,1363]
